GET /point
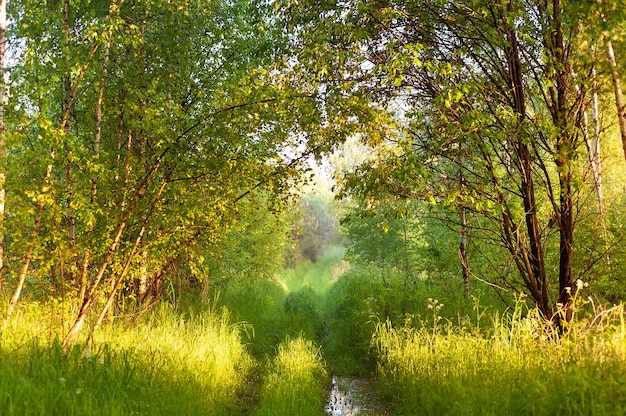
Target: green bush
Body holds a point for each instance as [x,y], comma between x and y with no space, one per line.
[302,313]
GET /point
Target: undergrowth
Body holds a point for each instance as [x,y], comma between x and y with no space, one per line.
[518,367]
[265,347]
[165,365]
[296,381]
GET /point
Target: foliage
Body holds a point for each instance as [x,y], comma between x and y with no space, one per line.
[135,133]
[490,113]
[402,235]
[253,246]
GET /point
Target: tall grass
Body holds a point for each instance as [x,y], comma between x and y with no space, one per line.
[363,298]
[292,305]
[517,368]
[165,365]
[296,383]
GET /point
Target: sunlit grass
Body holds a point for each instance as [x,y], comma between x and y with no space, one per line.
[165,364]
[432,353]
[296,383]
[517,368]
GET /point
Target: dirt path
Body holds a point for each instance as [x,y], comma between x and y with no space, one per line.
[351,396]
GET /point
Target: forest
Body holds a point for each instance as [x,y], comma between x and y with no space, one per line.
[268,207]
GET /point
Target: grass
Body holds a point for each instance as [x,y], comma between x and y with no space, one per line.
[165,365]
[197,359]
[265,348]
[292,305]
[517,368]
[296,381]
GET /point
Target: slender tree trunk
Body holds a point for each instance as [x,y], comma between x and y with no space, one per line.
[593,147]
[115,285]
[90,297]
[3,40]
[142,289]
[565,147]
[617,87]
[28,255]
[67,85]
[142,281]
[84,267]
[117,282]
[463,257]
[532,261]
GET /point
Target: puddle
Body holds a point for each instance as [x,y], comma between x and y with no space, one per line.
[351,396]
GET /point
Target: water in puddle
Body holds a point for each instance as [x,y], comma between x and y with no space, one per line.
[351,396]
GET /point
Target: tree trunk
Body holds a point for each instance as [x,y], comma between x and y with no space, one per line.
[3,39]
[617,87]
[142,287]
[533,260]
[90,297]
[84,266]
[593,147]
[463,257]
[67,85]
[28,255]
[115,285]
[564,152]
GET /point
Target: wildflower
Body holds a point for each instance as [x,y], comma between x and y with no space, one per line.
[579,284]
